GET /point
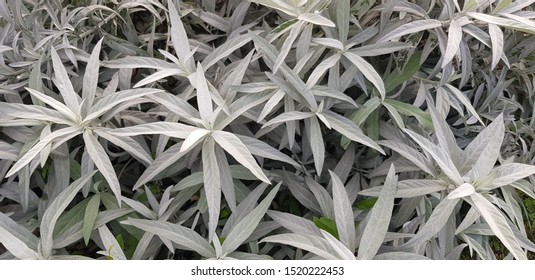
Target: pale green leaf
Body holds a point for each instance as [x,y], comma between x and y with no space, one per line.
[90,215]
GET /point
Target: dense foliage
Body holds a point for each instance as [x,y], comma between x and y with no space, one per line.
[267,129]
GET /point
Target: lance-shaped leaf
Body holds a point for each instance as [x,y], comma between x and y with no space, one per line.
[112,247]
[90,215]
[102,162]
[311,243]
[204,100]
[368,71]
[343,213]
[54,210]
[32,112]
[259,148]
[63,83]
[350,130]
[19,231]
[164,160]
[435,223]
[338,246]
[60,136]
[243,229]
[178,35]
[64,110]
[16,247]
[170,129]
[294,223]
[379,219]
[409,28]
[439,155]
[498,224]
[106,103]
[212,184]
[496,38]
[181,235]
[445,137]
[482,153]
[410,188]
[508,173]
[232,144]
[461,191]
[316,142]
[455,34]
[193,138]
[91,76]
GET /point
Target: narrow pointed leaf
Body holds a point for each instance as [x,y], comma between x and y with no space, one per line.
[311,243]
[243,229]
[212,184]
[90,215]
[110,244]
[181,235]
[343,213]
[63,83]
[368,71]
[102,162]
[55,209]
[232,144]
[379,219]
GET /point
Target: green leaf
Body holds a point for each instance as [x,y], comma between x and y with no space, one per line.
[396,79]
[327,225]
